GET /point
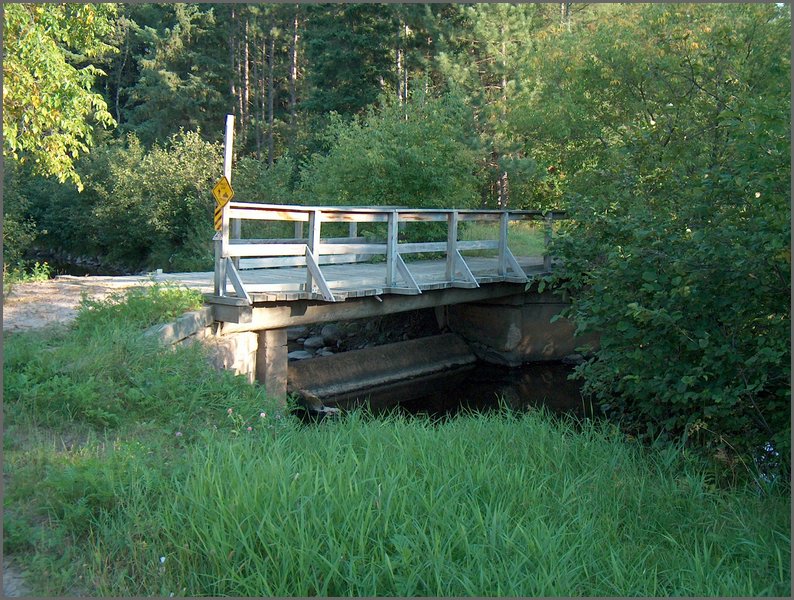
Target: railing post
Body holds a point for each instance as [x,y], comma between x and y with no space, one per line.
[391,248]
[220,259]
[352,230]
[503,221]
[547,241]
[313,242]
[236,224]
[452,244]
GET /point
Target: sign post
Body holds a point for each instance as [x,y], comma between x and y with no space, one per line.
[223,193]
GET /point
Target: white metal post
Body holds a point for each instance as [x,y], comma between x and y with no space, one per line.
[236,224]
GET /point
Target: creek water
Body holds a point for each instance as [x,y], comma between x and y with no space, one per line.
[481,387]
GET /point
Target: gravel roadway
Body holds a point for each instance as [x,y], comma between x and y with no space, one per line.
[42,303]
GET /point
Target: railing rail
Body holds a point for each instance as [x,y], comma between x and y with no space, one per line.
[313,250]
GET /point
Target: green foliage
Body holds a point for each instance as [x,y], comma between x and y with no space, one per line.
[104,372]
[19,228]
[255,181]
[48,101]
[493,505]
[676,121]
[411,155]
[349,47]
[181,53]
[140,208]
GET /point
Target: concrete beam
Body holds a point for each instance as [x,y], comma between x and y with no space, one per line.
[346,373]
[271,363]
[183,326]
[276,315]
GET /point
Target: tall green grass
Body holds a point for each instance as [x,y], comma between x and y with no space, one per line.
[133,469]
[498,505]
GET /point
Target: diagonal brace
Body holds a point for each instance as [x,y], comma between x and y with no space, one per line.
[406,274]
[317,277]
[460,265]
[237,283]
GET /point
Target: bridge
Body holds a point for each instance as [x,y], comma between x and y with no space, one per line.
[325,267]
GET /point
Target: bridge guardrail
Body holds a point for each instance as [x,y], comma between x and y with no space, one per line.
[313,251]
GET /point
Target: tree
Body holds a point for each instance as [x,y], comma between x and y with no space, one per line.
[408,155]
[46,51]
[672,123]
[181,71]
[485,57]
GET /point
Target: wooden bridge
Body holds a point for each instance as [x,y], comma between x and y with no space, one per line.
[264,285]
[257,273]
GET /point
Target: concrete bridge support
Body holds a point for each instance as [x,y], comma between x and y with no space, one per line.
[271,362]
[517,329]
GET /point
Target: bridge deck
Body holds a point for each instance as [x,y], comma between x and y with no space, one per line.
[366,279]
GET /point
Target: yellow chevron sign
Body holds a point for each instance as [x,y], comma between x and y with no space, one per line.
[218,218]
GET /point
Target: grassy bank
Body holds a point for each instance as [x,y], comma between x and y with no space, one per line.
[136,471]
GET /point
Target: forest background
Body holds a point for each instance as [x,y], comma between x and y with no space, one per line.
[664,130]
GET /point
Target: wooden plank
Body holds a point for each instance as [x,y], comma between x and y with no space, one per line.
[416,247]
[478,245]
[391,251]
[406,275]
[282,214]
[226,300]
[378,217]
[513,265]
[232,314]
[295,261]
[503,222]
[352,248]
[460,265]
[262,250]
[452,244]
[303,312]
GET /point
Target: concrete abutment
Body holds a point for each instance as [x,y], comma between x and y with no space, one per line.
[511,330]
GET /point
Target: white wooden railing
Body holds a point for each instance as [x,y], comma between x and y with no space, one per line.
[313,251]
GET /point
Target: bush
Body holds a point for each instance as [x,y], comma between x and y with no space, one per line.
[679,251]
[139,208]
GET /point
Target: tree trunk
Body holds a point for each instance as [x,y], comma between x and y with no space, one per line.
[246,112]
[293,75]
[258,75]
[405,69]
[270,99]
[232,44]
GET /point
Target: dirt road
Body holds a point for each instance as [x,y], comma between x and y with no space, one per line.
[43,303]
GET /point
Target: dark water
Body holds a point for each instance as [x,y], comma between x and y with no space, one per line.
[481,387]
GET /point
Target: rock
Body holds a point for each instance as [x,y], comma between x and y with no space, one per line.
[299,355]
[294,333]
[325,352]
[573,359]
[331,334]
[314,342]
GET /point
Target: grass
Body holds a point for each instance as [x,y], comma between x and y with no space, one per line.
[524,238]
[173,494]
